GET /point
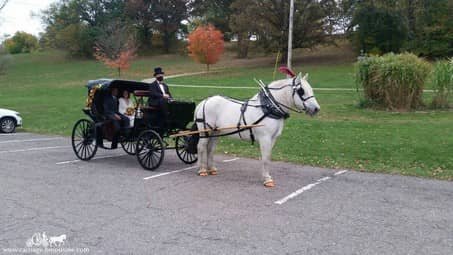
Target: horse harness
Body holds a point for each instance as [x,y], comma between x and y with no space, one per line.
[269,105]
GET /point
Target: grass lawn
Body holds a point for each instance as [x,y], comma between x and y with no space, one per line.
[47,89]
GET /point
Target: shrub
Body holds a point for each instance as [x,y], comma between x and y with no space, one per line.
[21,42]
[393,81]
[442,79]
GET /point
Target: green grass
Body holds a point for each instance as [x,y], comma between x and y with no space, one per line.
[47,89]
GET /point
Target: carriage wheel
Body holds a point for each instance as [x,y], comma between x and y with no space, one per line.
[84,139]
[150,150]
[129,144]
[181,144]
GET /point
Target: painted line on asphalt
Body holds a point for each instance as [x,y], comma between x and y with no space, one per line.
[306,188]
[230,160]
[78,160]
[181,170]
[34,149]
[32,140]
[167,173]
[340,172]
[14,134]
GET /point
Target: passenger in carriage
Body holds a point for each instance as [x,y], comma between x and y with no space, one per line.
[159,97]
[126,107]
[111,113]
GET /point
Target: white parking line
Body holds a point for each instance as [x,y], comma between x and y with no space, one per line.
[305,188]
[31,140]
[229,160]
[14,134]
[35,149]
[340,172]
[78,160]
[181,170]
[167,173]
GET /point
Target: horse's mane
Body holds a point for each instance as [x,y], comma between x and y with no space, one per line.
[278,83]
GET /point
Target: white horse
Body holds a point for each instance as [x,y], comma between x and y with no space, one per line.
[57,241]
[217,112]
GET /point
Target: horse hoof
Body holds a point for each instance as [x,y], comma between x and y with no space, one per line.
[203,172]
[212,171]
[269,184]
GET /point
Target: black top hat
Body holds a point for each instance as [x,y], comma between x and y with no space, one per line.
[158,70]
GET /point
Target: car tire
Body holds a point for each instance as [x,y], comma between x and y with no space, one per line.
[7,125]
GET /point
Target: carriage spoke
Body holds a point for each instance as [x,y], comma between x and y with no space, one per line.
[90,150]
[83,151]
[150,159]
[153,155]
[185,154]
[78,145]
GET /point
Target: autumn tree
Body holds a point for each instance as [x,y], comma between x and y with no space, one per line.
[206,45]
[115,48]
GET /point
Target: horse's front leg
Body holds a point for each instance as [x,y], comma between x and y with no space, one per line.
[212,170]
[266,145]
[202,156]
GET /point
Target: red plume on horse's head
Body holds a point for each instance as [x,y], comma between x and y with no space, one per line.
[287,71]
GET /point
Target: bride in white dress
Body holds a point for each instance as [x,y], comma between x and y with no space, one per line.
[126,107]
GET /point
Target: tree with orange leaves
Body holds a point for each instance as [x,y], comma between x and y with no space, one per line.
[115,48]
[206,45]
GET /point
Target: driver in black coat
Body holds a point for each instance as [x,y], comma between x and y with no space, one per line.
[159,97]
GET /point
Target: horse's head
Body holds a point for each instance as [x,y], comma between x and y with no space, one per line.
[303,95]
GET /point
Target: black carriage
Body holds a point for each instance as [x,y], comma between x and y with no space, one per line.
[146,139]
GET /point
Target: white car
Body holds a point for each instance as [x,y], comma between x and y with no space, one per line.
[9,120]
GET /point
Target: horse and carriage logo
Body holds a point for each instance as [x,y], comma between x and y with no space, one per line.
[44,241]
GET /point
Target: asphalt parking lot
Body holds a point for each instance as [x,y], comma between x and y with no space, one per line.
[110,205]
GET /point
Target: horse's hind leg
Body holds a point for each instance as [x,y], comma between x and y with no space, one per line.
[266,150]
[202,156]
[212,170]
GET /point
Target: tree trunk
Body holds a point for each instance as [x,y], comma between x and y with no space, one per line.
[284,56]
[167,42]
[119,71]
[243,45]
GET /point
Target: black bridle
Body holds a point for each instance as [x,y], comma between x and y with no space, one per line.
[297,89]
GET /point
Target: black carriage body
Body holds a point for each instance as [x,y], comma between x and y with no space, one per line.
[101,88]
[144,139]
[180,113]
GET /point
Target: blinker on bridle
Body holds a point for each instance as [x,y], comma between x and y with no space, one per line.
[297,88]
